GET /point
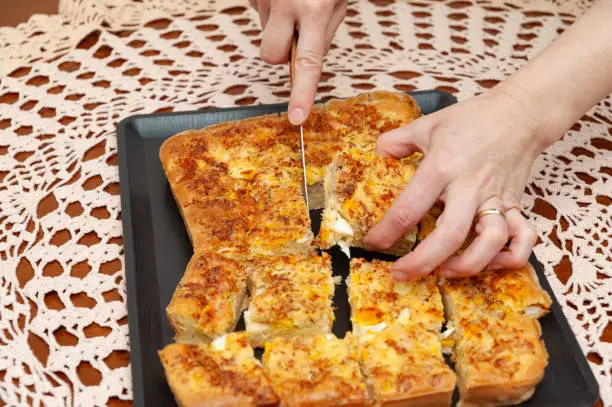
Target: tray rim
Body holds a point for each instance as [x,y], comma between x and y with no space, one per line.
[138,391]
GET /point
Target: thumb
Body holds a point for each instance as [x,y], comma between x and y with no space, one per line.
[406,140]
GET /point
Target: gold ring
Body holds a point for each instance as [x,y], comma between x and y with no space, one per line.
[486,212]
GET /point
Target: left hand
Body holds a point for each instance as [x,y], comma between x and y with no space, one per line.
[477,155]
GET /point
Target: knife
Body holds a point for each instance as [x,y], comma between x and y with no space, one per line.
[292,53]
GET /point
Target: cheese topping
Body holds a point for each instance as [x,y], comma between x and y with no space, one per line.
[375,297]
[345,248]
[308,369]
[365,329]
[291,293]
[220,342]
[404,317]
[342,227]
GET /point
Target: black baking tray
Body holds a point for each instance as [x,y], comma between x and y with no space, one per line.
[157,250]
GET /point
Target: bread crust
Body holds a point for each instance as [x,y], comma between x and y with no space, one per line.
[209,299]
[499,292]
[202,375]
[500,357]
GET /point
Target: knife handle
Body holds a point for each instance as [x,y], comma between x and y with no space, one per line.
[292,53]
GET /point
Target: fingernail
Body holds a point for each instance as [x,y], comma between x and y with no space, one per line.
[495,267]
[296,116]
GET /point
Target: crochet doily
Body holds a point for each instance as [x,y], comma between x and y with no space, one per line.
[66,80]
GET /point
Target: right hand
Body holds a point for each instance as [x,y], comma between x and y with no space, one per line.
[317,22]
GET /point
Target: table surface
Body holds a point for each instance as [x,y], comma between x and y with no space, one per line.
[62,273]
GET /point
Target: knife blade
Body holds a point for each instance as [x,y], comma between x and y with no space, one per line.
[292,53]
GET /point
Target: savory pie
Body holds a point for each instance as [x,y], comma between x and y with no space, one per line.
[209,299]
[316,370]
[223,373]
[290,295]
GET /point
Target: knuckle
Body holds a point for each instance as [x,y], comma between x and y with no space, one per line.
[532,235]
[498,237]
[309,60]
[317,6]
[444,163]
[269,55]
[406,218]
[517,260]
[453,238]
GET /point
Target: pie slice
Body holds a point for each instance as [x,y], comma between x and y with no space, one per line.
[316,370]
[223,373]
[500,293]
[499,355]
[360,186]
[356,121]
[499,362]
[378,301]
[209,299]
[404,366]
[290,295]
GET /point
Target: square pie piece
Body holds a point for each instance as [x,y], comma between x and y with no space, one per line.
[209,299]
[404,367]
[224,373]
[499,362]
[378,301]
[499,293]
[316,370]
[356,121]
[360,186]
[290,295]
[500,357]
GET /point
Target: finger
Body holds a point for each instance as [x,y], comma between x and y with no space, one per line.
[253,4]
[263,8]
[448,236]
[277,37]
[523,237]
[492,235]
[418,196]
[406,140]
[308,65]
[335,22]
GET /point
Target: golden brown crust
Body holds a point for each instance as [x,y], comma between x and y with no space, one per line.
[500,357]
[500,292]
[201,375]
[404,365]
[209,298]
[499,362]
[316,370]
[290,295]
[375,298]
[360,187]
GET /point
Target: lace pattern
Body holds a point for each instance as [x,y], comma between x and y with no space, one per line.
[66,80]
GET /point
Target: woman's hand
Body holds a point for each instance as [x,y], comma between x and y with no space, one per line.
[316,21]
[477,156]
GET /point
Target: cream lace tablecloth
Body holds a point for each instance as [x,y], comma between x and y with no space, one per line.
[66,81]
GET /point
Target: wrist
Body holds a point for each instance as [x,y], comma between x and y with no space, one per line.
[542,122]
